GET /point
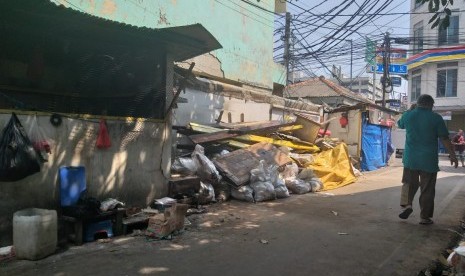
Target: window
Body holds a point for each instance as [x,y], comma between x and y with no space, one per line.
[447,80]
[450,35]
[418,38]
[416,85]
[418,4]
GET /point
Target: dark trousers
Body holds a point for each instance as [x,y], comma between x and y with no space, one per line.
[426,181]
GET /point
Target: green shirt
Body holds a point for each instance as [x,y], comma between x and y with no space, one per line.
[423,128]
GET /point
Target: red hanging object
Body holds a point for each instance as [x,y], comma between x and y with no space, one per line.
[343,121]
[103,139]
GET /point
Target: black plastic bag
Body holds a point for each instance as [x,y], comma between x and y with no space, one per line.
[18,158]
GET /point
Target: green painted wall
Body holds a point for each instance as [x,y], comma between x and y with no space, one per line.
[245,31]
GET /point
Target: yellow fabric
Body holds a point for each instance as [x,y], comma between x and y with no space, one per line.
[333,167]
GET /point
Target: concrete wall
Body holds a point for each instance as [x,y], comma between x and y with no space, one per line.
[204,108]
[244,31]
[351,134]
[131,170]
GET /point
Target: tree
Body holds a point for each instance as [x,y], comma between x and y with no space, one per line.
[441,16]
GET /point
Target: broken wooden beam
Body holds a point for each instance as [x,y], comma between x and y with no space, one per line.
[211,135]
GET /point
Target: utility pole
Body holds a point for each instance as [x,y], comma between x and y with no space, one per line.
[386,59]
[351,59]
[287,35]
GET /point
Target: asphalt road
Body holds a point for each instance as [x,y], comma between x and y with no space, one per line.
[353,230]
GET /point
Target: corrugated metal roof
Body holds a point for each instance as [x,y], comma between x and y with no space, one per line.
[321,88]
[181,43]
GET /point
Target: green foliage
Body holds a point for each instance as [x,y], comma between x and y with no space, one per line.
[441,16]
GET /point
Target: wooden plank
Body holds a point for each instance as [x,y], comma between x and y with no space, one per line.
[236,166]
[211,136]
[204,128]
[259,128]
[209,129]
[235,144]
[249,125]
[277,142]
[290,128]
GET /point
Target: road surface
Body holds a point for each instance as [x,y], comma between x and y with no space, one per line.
[353,230]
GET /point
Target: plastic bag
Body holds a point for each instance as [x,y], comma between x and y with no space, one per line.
[306,174]
[110,204]
[18,159]
[298,186]
[244,193]
[184,166]
[290,171]
[260,173]
[103,139]
[263,190]
[222,191]
[302,159]
[278,182]
[206,170]
[40,142]
[260,182]
[206,193]
[457,259]
[316,184]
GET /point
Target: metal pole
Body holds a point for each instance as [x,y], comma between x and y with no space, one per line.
[287,34]
[374,84]
[351,60]
[387,52]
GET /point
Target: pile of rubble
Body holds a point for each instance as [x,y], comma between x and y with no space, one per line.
[252,162]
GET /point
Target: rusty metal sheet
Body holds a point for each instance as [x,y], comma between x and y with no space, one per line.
[226,134]
[211,137]
[236,166]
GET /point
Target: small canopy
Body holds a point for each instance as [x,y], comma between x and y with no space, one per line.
[180,43]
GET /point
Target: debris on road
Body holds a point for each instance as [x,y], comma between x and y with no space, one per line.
[262,241]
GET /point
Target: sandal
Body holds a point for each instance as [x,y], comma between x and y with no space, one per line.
[426,221]
[406,213]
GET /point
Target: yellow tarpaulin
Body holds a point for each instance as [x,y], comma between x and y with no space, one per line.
[333,167]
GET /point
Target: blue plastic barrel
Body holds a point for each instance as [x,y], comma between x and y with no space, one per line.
[72,184]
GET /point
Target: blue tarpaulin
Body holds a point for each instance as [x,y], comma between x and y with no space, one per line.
[376,146]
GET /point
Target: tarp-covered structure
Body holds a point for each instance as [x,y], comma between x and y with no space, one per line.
[376,145]
[367,133]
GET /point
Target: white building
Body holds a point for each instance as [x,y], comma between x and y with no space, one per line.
[437,62]
[363,86]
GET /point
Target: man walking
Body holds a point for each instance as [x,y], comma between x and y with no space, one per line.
[423,128]
[459,145]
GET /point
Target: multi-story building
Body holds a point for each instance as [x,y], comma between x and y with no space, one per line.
[437,61]
[366,87]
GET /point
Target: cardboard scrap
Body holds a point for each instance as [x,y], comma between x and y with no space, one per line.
[236,165]
[162,225]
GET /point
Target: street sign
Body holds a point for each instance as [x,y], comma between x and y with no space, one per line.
[393,69]
[394,104]
[396,81]
[397,55]
[370,52]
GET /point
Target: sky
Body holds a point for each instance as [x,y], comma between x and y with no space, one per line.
[397,25]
